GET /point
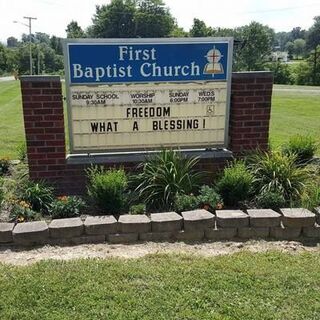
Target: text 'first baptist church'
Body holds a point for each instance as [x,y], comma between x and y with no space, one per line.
[147,62]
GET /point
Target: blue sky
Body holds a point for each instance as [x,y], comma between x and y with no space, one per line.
[54,15]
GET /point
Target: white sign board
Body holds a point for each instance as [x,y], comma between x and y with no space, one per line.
[116,115]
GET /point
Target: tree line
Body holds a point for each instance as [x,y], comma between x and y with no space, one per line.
[254,42]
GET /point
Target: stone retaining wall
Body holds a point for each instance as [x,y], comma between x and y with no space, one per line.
[197,225]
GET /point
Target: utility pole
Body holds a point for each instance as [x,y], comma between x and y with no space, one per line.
[30,42]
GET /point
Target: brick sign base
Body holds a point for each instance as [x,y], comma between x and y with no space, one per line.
[43,113]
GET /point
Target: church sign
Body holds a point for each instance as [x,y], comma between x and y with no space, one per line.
[140,94]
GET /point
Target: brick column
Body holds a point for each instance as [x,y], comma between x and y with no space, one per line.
[250,111]
[44,127]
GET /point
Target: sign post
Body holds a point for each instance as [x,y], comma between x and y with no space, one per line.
[142,94]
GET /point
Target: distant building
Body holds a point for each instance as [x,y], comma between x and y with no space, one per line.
[281,56]
[12,42]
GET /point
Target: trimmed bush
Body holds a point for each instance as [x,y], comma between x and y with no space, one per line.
[270,200]
[235,184]
[164,176]
[66,207]
[209,199]
[186,202]
[304,147]
[107,188]
[277,172]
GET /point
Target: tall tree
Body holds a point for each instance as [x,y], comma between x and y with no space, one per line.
[299,46]
[297,33]
[74,30]
[313,44]
[257,41]
[153,19]
[115,20]
[199,29]
[12,42]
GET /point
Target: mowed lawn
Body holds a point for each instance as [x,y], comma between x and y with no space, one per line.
[242,286]
[295,110]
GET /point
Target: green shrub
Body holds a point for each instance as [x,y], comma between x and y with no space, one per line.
[138,209]
[21,211]
[310,199]
[107,188]
[209,198]
[66,207]
[235,184]
[186,202]
[38,194]
[22,151]
[270,200]
[278,172]
[2,196]
[4,166]
[164,176]
[304,147]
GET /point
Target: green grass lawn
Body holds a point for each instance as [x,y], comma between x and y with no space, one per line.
[11,119]
[242,286]
[293,112]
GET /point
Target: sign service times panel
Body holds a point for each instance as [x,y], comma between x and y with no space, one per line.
[137,94]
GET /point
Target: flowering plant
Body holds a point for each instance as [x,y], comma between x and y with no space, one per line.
[66,207]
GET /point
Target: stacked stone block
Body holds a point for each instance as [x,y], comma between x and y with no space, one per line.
[196,225]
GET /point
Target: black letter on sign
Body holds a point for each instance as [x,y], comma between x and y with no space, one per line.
[135,126]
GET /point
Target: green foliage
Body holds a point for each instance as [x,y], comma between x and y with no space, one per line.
[107,188]
[281,72]
[4,166]
[186,202]
[138,209]
[130,19]
[304,148]
[164,176]
[257,41]
[66,207]
[22,151]
[235,184]
[199,29]
[38,194]
[2,194]
[270,200]
[74,30]
[21,211]
[208,197]
[153,19]
[278,172]
[310,199]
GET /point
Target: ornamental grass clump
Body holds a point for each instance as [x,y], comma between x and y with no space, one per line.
[164,176]
[303,147]
[107,189]
[38,194]
[278,172]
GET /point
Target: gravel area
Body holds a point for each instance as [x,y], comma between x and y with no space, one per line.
[20,256]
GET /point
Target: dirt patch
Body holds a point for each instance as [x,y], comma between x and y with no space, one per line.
[104,251]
